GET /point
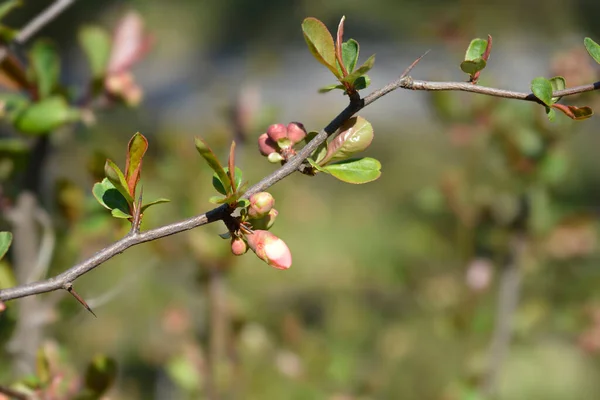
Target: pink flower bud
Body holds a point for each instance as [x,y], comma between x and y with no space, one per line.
[238,247]
[265,145]
[296,132]
[270,249]
[266,222]
[260,204]
[276,132]
[2,306]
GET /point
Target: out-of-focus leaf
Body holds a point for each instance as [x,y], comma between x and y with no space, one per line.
[355,135]
[5,241]
[350,50]
[592,48]
[213,163]
[12,104]
[45,67]
[130,43]
[109,197]
[558,83]
[218,185]
[542,89]
[8,34]
[158,201]
[46,115]
[320,43]
[9,5]
[100,374]
[13,147]
[136,149]
[96,44]
[357,171]
[181,370]
[12,74]
[360,71]
[117,178]
[329,88]
[42,367]
[7,277]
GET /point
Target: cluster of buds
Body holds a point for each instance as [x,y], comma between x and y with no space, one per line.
[258,218]
[278,142]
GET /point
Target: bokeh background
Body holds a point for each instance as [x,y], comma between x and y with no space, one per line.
[469,270]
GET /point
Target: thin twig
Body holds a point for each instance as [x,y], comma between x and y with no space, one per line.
[66,278]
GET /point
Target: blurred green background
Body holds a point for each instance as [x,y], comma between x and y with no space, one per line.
[395,290]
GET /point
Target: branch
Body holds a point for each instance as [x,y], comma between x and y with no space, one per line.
[43,19]
[65,279]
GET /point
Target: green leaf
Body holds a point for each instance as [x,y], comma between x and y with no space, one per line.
[118,213]
[44,116]
[243,203]
[157,201]
[320,151]
[184,374]
[320,43]
[213,163]
[7,277]
[354,136]
[362,82]
[592,48]
[45,66]
[5,241]
[136,149]
[8,34]
[42,367]
[218,185]
[329,88]
[100,374]
[13,146]
[116,177]
[558,83]
[471,67]
[109,197]
[360,71]
[476,49]
[551,114]
[357,171]
[217,199]
[542,89]
[9,5]
[96,44]
[350,51]
[14,104]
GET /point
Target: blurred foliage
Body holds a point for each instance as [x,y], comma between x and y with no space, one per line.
[394,284]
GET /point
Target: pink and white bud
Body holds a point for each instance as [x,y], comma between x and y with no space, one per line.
[296,132]
[266,146]
[277,131]
[270,249]
[238,247]
[266,222]
[2,306]
[260,204]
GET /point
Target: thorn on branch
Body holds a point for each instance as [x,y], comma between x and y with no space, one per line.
[69,288]
[411,66]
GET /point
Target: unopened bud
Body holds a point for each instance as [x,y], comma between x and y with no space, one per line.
[260,204]
[238,247]
[275,158]
[296,132]
[277,131]
[2,306]
[270,249]
[266,222]
[265,145]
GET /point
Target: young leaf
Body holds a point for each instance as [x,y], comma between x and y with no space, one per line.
[8,6]
[362,82]
[476,49]
[350,51]
[558,83]
[100,374]
[592,48]
[218,199]
[320,151]
[45,66]
[363,69]
[320,43]
[329,88]
[231,167]
[218,185]
[576,113]
[339,41]
[542,89]
[5,241]
[136,149]
[44,116]
[471,67]
[116,177]
[355,135]
[96,44]
[157,201]
[109,197]
[213,163]
[357,171]
[14,104]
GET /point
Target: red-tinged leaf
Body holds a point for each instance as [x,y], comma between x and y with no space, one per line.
[354,136]
[576,113]
[138,144]
[130,43]
[338,46]
[231,166]
[320,43]
[213,163]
